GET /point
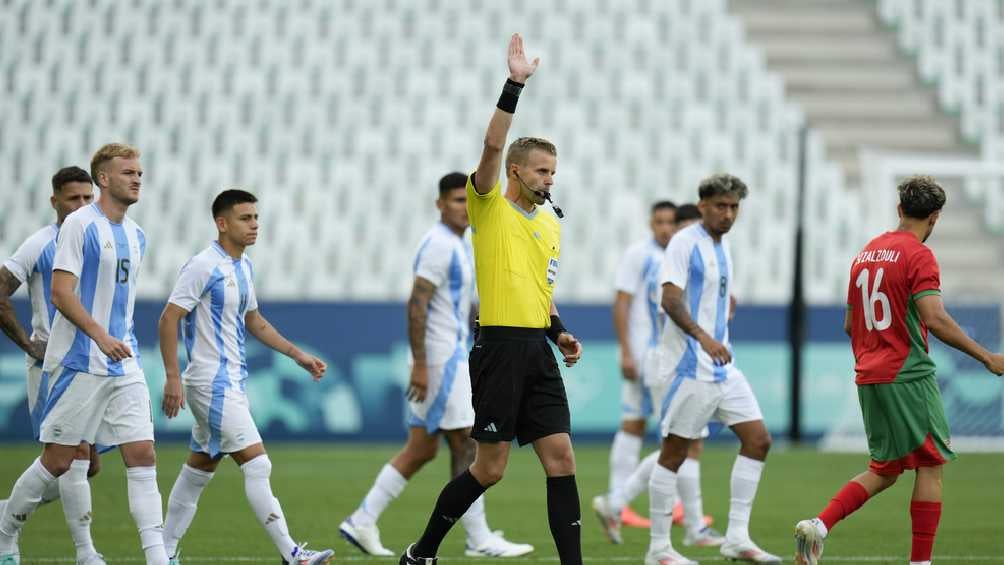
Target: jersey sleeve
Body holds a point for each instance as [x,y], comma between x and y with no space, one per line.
[628,272]
[925,275]
[22,262]
[190,285]
[675,263]
[433,262]
[478,204]
[70,247]
[252,293]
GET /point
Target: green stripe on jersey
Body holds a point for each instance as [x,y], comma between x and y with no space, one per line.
[918,363]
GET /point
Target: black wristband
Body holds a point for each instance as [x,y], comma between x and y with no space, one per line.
[556,329]
[509,97]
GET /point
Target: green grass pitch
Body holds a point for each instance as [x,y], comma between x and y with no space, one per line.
[320,484]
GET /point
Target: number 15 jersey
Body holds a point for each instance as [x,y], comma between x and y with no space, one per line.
[888,337]
[105,257]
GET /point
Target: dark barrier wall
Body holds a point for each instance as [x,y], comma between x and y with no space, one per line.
[365,346]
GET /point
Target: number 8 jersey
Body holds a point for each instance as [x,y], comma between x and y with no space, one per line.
[888,337]
[105,257]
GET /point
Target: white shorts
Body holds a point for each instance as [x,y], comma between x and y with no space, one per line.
[693,403]
[96,409]
[447,404]
[36,390]
[636,400]
[223,422]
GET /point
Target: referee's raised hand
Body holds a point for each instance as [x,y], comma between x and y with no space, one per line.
[570,348]
[519,68]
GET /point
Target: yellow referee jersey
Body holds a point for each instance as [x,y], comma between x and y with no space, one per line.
[515,259]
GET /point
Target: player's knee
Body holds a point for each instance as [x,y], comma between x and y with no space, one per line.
[757,446]
[258,468]
[560,464]
[94,468]
[487,474]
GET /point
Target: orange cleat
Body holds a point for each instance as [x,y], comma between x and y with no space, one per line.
[678,516]
[632,519]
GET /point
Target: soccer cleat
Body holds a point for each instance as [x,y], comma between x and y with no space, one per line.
[407,559]
[176,559]
[98,559]
[706,537]
[747,551]
[497,546]
[303,556]
[632,519]
[609,520]
[808,542]
[667,556]
[11,558]
[366,538]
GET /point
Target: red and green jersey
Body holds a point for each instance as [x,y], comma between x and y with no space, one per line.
[888,337]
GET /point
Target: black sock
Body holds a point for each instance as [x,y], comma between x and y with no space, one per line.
[565,518]
[456,498]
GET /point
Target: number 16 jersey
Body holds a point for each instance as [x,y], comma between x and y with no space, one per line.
[888,337]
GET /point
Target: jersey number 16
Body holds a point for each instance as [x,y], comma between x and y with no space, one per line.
[869,301]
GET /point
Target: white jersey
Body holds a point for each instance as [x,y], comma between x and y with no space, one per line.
[31,264]
[106,258]
[638,275]
[703,269]
[217,292]
[446,260]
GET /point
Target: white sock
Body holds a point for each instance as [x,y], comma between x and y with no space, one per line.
[182,504]
[623,457]
[388,485]
[51,493]
[265,506]
[662,497]
[636,484]
[476,523]
[688,487]
[76,494]
[145,505]
[23,500]
[745,479]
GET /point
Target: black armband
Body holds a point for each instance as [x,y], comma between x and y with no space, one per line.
[556,329]
[509,97]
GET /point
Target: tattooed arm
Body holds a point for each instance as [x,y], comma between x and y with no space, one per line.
[673,304]
[418,315]
[8,318]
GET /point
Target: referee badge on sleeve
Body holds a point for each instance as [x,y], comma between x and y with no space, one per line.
[552,271]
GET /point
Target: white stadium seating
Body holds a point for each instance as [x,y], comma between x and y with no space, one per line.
[342,116]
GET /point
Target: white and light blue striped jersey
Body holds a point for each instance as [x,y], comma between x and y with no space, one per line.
[106,258]
[703,269]
[446,260]
[31,264]
[638,275]
[217,292]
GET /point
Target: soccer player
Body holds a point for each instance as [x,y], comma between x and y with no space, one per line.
[215,297]
[893,299]
[639,324]
[517,388]
[97,391]
[695,351]
[31,264]
[440,387]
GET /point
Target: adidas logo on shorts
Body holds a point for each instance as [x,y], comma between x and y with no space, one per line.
[491,428]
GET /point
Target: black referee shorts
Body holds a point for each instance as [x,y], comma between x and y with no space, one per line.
[517,387]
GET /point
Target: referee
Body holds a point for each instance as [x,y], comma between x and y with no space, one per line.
[517,388]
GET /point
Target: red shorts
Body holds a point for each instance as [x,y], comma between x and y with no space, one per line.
[927,455]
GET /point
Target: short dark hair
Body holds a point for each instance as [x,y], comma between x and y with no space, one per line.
[230,198]
[68,175]
[687,212]
[721,184]
[663,205]
[920,196]
[451,181]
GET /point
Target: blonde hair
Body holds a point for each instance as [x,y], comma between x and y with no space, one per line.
[521,147]
[108,152]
